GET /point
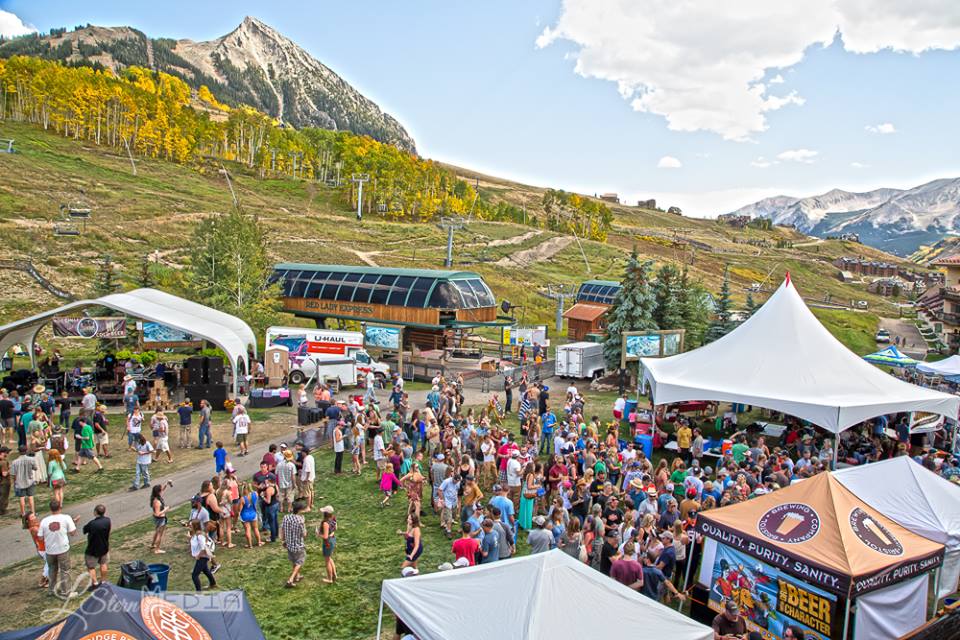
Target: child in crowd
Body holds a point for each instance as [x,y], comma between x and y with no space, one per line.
[220,457]
[388,484]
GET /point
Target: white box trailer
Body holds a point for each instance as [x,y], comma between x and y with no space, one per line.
[326,354]
[580,360]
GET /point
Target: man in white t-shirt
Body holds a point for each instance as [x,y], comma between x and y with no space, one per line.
[378,453]
[88,404]
[514,477]
[572,391]
[241,429]
[618,406]
[144,458]
[56,530]
[308,474]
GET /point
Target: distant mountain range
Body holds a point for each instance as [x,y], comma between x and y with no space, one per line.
[895,220]
[253,64]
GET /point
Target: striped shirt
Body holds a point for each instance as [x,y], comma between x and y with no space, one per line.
[294,529]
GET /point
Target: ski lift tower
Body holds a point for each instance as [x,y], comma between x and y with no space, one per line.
[451,224]
[559,292]
[360,178]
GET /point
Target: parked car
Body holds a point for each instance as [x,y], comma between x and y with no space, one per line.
[883,336]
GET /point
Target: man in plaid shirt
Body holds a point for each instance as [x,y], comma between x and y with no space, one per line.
[293,532]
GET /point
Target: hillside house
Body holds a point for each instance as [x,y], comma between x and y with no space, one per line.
[862,267]
[647,204]
[939,307]
[734,220]
[610,197]
[588,315]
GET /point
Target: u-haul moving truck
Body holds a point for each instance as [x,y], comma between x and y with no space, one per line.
[326,354]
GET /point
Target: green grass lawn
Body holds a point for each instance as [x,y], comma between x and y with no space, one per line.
[118,469]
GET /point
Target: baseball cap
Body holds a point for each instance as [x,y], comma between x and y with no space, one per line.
[731,607]
[540,521]
[406,572]
[652,492]
[497,488]
[446,566]
[461,562]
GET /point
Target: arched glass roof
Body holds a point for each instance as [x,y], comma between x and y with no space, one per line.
[413,288]
[601,291]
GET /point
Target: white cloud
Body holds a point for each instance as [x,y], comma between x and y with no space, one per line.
[859,165]
[762,163]
[883,128]
[667,64]
[777,79]
[805,156]
[11,25]
[669,162]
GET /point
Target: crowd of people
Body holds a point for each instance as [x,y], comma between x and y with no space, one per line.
[498,480]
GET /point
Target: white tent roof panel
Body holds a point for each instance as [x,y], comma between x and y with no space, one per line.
[529,598]
[917,499]
[156,307]
[783,359]
[946,367]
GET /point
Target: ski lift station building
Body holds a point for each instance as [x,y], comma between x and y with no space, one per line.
[431,305]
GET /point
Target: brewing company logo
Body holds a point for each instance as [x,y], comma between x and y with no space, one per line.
[789,523]
[108,634]
[166,621]
[874,534]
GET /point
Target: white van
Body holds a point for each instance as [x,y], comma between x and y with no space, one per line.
[326,354]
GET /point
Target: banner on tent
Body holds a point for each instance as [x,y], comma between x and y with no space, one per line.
[769,599]
[925,422]
[90,327]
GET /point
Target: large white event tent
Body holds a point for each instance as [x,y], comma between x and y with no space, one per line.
[545,595]
[229,333]
[783,359]
[948,367]
[918,500]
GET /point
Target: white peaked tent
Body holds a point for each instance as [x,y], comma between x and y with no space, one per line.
[917,499]
[231,334]
[546,595]
[783,359]
[946,367]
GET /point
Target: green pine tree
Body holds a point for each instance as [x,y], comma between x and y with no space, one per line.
[751,305]
[632,309]
[721,324]
[695,310]
[229,269]
[669,299]
[106,281]
[145,277]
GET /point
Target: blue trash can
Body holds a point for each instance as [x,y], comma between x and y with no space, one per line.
[646,442]
[160,573]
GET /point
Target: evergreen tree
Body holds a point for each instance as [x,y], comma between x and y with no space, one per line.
[695,310]
[669,299]
[632,309]
[229,268]
[721,324]
[751,305]
[145,277]
[106,280]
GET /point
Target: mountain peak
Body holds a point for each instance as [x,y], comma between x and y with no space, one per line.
[254,64]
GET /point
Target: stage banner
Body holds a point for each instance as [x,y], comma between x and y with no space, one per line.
[154,335]
[771,600]
[90,327]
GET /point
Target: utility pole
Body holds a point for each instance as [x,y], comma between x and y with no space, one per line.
[360,178]
[451,224]
[560,292]
[226,174]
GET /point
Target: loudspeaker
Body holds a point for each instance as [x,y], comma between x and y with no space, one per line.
[699,610]
[215,370]
[214,394]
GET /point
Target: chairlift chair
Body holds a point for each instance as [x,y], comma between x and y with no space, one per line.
[65,229]
[78,213]
[6,145]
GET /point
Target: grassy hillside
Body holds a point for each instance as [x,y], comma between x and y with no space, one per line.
[152,214]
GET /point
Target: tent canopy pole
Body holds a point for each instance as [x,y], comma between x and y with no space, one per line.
[846,619]
[380,619]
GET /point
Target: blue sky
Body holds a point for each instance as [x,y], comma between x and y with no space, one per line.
[475,87]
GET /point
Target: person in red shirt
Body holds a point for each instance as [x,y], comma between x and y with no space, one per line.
[466,546]
[627,571]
